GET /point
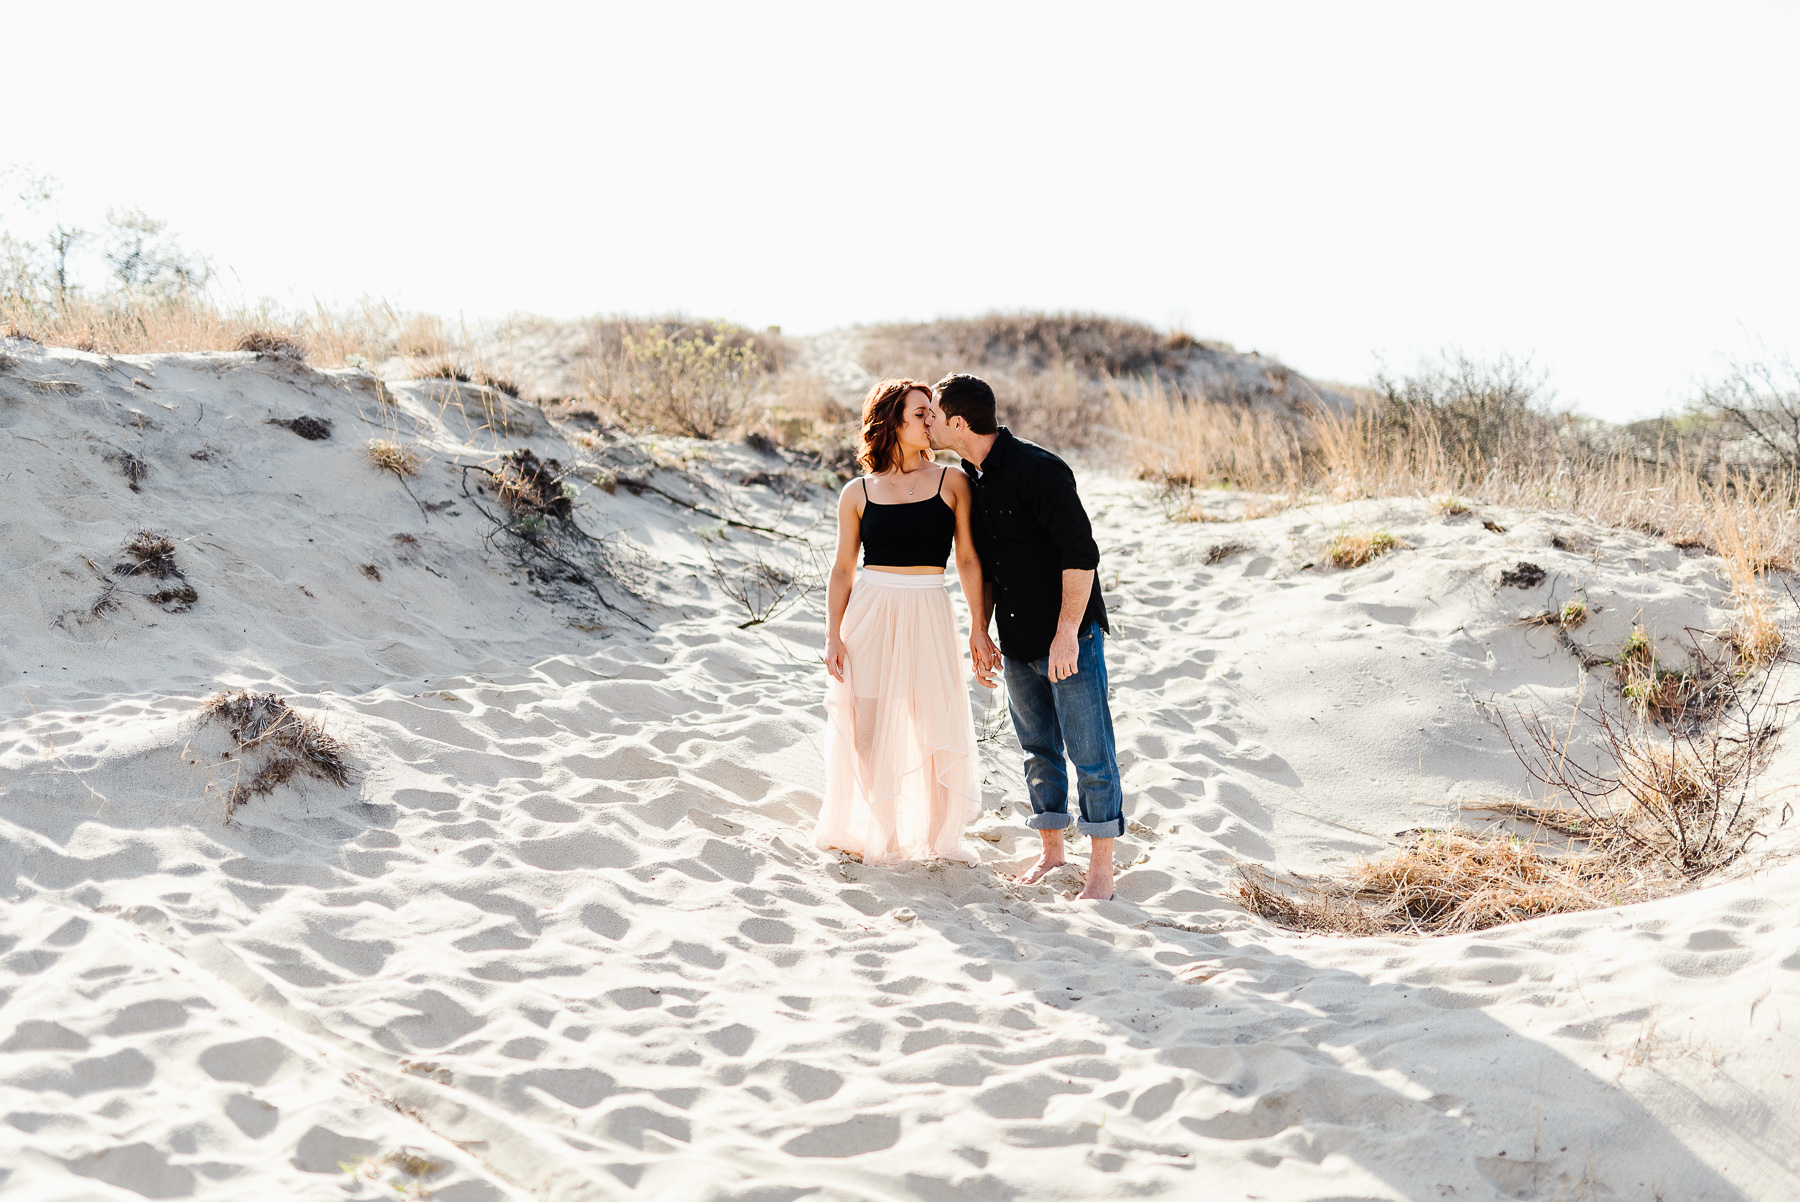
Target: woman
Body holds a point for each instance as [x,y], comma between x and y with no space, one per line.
[901,779]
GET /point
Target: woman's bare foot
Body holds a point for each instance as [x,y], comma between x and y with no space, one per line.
[1052,858]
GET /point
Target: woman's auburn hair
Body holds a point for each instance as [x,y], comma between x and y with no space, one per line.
[884,411]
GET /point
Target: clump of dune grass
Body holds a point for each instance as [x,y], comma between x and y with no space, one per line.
[1353,549]
[1660,693]
[152,554]
[1568,616]
[287,743]
[272,344]
[1453,507]
[1443,882]
[391,456]
[1755,631]
[463,373]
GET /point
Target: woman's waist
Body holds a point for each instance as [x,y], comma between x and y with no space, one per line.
[922,576]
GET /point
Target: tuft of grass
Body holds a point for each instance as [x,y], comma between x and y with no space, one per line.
[1755,632]
[462,373]
[1660,694]
[272,344]
[152,554]
[390,456]
[289,744]
[1442,883]
[1454,507]
[132,468]
[1637,648]
[1353,550]
[446,370]
[1572,614]
[413,1164]
[1666,780]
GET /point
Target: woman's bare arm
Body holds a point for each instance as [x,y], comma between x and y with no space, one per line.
[843,573]
[968,570]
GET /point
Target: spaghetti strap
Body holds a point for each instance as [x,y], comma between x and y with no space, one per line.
[942,472]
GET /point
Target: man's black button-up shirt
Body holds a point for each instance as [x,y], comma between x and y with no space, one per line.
[1029,525]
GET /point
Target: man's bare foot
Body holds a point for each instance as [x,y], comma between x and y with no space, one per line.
[1097,889]
[1099,885]
[1052,858]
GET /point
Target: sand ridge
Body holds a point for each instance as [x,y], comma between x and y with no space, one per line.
[567,937]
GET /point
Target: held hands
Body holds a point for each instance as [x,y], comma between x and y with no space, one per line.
[834,656]
[1064,651]
[986,658]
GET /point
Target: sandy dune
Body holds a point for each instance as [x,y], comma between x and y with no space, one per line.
[566,937]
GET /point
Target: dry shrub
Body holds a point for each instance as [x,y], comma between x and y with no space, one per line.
[1443,883]
[697,384]
[1679,801]
[390,456]
[673,375]
[1354,549]
[1025,343]
[288,744]
[1053,373]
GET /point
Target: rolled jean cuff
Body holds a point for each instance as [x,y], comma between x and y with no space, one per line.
[1051,822]
[1112,828]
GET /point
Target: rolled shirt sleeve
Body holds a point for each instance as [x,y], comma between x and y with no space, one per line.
[1062,517]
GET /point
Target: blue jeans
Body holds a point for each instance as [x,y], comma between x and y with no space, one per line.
[1069,716]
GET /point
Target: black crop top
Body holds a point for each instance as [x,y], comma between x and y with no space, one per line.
[916,534]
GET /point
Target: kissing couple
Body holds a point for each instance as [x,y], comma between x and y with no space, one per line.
[901,774]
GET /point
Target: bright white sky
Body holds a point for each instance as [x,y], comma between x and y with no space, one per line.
[1609,188]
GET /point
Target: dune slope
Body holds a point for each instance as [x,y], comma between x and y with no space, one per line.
[565,935]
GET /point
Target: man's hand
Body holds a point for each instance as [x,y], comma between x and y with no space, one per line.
[1064,651]
[986,658]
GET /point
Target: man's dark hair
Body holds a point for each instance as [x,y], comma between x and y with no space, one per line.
[968,397]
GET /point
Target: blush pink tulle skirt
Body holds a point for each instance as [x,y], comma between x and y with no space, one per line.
[901,777]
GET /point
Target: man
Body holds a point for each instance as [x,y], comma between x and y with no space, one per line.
[1039,561]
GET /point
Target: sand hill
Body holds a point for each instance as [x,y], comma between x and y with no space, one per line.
[563,934]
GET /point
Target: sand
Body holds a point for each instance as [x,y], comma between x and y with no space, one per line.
[565,935]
